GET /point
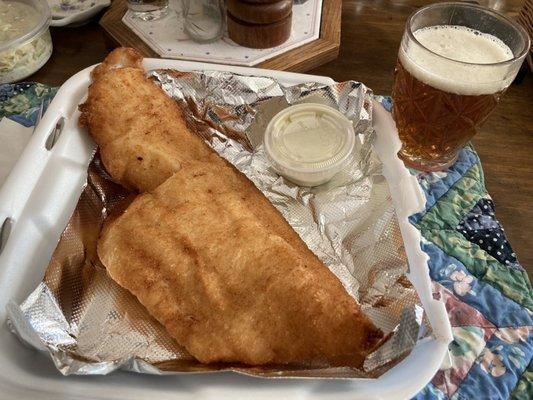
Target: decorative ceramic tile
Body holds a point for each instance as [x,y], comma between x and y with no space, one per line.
[167,37]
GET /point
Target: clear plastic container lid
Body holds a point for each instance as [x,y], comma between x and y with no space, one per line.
[25,42]
[21,21]
[309,143]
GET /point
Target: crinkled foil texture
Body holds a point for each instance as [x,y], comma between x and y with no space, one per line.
[90,325]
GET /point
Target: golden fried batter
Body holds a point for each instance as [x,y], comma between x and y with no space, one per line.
[224,285]
[141,133]
[142,143]
[205,252]
[120,58]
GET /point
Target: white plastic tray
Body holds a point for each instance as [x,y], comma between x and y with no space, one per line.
[40,195]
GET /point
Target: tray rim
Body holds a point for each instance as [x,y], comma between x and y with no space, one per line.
[14,199]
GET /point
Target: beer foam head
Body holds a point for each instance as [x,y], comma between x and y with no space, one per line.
[461,72]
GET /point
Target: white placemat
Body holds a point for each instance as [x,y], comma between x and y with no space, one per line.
[14,138]
[168,39]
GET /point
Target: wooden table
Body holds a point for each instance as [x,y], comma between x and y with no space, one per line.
[371,33]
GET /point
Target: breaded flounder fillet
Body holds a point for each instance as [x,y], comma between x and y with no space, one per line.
[141,133]
[205,252]
[140,158]
[224,285]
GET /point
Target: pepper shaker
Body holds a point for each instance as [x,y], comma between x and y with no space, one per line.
[259,23]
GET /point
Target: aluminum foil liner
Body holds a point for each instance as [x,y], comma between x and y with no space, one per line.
[90,325]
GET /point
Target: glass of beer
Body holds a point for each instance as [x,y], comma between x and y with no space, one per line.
[454,63]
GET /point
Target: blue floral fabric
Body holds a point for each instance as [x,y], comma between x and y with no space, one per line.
[22,102]
[487,293]
[480,226]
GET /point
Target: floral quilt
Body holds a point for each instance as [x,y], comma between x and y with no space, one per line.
[487,293]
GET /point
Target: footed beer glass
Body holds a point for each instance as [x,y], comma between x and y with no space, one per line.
[454,63]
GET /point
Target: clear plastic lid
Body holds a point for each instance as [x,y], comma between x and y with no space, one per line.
[311,139]
[21,21]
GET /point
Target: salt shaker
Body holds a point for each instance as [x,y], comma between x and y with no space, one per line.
[203,19]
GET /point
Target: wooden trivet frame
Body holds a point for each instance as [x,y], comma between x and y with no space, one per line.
[300,59]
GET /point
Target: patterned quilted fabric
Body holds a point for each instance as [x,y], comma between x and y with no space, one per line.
[486,291]
[488,295]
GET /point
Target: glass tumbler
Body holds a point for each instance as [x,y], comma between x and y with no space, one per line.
[203,19]
[455,62]
[148,10]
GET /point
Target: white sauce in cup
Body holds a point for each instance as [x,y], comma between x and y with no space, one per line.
[309,143]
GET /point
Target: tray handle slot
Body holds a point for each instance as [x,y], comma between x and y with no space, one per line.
[54,135]
[5,231]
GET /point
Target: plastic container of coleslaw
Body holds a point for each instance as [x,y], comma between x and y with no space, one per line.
[25,42]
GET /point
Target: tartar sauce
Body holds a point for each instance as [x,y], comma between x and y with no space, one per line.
[309,143]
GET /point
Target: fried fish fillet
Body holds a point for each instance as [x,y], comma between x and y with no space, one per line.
[141,132]
[223,283]
[143,138]
[205,252]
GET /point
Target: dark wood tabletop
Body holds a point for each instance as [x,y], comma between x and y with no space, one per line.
[371,33]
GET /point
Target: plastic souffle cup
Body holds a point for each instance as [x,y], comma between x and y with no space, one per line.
[309,143]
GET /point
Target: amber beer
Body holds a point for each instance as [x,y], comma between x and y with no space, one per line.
[434,124]
[449,77]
